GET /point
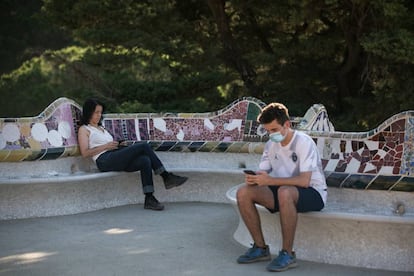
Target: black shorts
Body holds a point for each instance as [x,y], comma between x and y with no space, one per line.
[309,200]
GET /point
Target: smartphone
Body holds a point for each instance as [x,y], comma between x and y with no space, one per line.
[249,172]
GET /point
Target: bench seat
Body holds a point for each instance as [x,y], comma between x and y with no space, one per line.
[73,185]
[374,237]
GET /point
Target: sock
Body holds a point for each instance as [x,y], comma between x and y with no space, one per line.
[148,194]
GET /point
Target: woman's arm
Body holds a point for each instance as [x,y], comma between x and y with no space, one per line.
[83,140]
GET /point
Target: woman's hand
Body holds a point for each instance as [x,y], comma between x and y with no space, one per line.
[111,145]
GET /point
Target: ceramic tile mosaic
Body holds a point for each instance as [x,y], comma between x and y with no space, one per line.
[46,136]
[379,159]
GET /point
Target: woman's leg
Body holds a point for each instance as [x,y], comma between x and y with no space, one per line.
[113,161]
[145,149]
[143,164]
[121,159]
[124,159]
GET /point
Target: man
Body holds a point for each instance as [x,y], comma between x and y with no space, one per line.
[290,180]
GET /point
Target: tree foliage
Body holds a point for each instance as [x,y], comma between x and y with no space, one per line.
[354,56]
[24,34]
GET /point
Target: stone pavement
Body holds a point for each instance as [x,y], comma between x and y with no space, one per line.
[184,239]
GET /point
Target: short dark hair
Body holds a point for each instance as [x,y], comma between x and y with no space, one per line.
[89,108]
[274,111]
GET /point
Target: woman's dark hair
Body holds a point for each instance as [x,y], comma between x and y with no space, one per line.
[273,111]
[88,109]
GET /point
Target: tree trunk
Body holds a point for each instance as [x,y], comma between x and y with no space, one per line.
[349,76]
[231,53]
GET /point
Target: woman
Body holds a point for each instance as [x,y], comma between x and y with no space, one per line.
[109,155]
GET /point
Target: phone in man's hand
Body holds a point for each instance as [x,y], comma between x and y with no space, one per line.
[249,172]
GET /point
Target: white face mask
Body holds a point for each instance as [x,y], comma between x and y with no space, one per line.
[277,137]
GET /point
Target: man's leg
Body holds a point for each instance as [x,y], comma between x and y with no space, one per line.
[288,197]
[247,196]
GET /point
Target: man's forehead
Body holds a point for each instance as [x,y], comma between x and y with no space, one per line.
[272,125]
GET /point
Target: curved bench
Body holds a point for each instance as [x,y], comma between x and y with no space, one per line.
[43,175]
[71,185]
[346,232]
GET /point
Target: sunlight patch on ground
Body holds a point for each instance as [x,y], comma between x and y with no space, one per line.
[141,251]
[117,231]
[26,258]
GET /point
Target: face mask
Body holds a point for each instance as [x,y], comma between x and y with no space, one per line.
[277,137]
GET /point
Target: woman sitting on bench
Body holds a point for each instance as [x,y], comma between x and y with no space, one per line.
[109,155]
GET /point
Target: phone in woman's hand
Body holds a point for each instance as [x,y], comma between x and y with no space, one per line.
[122,143]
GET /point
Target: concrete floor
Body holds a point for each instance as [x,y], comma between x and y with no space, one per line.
[184,239]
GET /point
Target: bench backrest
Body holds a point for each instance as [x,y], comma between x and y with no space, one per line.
[381,159]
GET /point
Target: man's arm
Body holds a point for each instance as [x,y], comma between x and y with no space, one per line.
[264,179]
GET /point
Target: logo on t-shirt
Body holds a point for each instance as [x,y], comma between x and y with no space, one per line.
[294,157]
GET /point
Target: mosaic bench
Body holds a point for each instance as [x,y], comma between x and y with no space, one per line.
[369,174]
[43,174]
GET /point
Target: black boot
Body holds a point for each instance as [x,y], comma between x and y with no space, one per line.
[152,203]
[171,180]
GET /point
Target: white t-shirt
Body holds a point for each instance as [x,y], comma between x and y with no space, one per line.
[300,155]
[98,137]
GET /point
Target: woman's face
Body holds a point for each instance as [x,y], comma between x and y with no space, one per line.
[96,115]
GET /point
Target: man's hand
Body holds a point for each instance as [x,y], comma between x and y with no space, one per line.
[260,178]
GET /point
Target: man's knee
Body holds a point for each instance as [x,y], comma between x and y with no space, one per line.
[243,193]
[287,193]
